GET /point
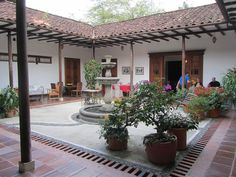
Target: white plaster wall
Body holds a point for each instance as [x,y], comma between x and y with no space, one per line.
[41,74]
[218,57]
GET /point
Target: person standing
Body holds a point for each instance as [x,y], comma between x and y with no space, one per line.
[214,83]
[186,81]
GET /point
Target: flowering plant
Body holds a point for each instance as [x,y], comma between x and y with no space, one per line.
[139,83]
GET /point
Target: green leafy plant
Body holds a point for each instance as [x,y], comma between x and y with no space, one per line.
[10,99]
[1,102]
[92,70]
[154,108]
[115,125]
[198,104]
[178,120]
[229,84]
[215,99]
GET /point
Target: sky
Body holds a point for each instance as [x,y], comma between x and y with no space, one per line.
[77,9]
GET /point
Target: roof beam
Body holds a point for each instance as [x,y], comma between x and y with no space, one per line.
[223,10]
[205,31]
[167,35]
[190,31]
[218,27]
[228,3]
[158,37]
[6,25]
[178,33]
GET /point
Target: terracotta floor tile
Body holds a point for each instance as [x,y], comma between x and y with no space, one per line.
[218,170]
[225,154]
[42,170]
[223,160]
[5,164]
[13,171]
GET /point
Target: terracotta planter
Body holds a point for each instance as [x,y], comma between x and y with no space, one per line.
[116,145]
[214,113]
[201,115]
[162,153]
[185,108]
[11,113]
[181,134]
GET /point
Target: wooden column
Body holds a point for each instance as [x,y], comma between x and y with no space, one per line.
[94,48]
[183,61]
[10,59]
[23,82]
[132,66]
[60,46]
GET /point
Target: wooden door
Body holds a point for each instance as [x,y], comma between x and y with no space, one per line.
[72,71]
[194,65]
[157,68]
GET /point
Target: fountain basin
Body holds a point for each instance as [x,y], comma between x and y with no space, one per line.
[108,80]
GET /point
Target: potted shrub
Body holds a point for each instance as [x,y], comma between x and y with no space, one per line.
[229,85]
[92,70]
[198,106]
[215,101]
[179,125]
[114,128]
[154,107]
[10,101]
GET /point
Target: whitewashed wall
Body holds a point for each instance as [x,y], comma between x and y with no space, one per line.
[217,59]
[41,74]
[218,56]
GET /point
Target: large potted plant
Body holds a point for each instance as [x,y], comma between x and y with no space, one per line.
[10,101]
[114,129]
[198,106]
[154,108]
[229,85]
[2,112]
[92,70]
[215,101]
[179,125]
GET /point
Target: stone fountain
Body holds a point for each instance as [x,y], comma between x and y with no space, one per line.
[95,113]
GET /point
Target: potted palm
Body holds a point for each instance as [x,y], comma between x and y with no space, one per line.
[10,101]
[114,129]
[179,125]
[154,107]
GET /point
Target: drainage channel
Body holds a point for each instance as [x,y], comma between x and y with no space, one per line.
[185,164]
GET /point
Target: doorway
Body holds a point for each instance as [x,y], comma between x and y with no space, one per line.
[173,72]
[72,71]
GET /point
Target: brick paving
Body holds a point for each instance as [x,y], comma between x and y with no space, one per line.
[49,161]
[216,160]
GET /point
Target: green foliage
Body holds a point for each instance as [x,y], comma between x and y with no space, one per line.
[106,11]
[177,120]
[92,70]
[153,107]
[198,104]
[10,99]
[229,84]
[185,5]
[1,102]
[215,99]
[121,117]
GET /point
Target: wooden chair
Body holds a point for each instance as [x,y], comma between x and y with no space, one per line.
[78,89]
[53,93]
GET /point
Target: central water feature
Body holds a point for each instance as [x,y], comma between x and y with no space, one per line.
[95,113]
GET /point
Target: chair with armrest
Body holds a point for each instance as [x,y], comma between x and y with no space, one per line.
[53,93]
[78,89]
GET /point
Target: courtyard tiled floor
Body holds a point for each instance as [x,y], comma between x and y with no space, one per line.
[215,160]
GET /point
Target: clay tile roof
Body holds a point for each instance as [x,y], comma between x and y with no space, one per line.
[45,20]
[196,16]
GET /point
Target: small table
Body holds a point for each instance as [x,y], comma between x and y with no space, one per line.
[90,96]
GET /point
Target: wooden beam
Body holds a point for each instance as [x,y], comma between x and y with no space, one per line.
[6,25]
[231,9]
[190,31]
[94,48]
[9,41]
[26,163]
[229,3]
[183,61]
[179,33]
[205,31]
[167,35]
[223,10]
[218,27]
[5,31]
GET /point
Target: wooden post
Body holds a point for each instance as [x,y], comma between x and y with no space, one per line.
[60,46]
[183,61]
[132,67]
[10,59]
[23,81]
[94,48]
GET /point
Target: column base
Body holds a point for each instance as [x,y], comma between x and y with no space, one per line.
[24,167]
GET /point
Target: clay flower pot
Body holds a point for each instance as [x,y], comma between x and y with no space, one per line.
[115,144]
[11,113]
[214,113]
[181,134]
[161,153]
